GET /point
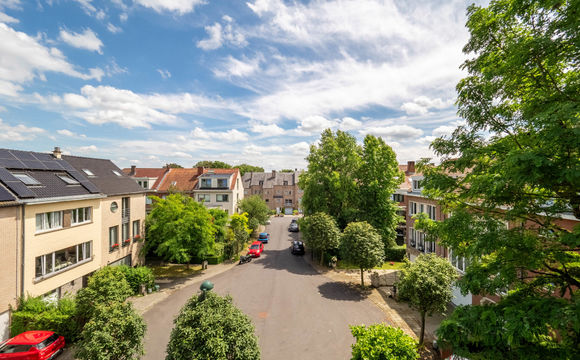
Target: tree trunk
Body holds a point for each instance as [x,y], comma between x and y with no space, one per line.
[362,277]
[422,336]
[321,257]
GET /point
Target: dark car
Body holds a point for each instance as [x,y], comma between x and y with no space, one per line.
[297,248]
[264,237]
[32,345]
[293,226]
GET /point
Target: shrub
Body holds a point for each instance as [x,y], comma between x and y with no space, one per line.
[382,342]
[136,276]
[214,259]
[396,253]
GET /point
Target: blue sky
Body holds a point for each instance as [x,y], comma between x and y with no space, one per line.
[148,82]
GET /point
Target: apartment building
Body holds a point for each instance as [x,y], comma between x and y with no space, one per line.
[278,189]
[10,211]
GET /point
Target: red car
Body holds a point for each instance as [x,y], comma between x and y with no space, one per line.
[32,345]
[256,249]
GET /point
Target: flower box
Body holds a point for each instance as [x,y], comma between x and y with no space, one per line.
[127,241]
[114,246]
[137,237]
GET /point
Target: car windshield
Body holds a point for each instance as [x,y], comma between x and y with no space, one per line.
[263,236]
[14,348]
[255,247]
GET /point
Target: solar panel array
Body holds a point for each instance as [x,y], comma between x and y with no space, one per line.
[5,195]
[26,160]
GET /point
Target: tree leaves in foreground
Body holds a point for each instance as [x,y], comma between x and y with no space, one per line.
[257,210]
[511,178]
[361,245]
[382,342]
[320,233]
[425,285]
[212,328]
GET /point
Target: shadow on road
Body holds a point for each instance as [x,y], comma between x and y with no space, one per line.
[337,290]
[284,260]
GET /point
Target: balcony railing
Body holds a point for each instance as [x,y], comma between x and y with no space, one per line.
[126,213]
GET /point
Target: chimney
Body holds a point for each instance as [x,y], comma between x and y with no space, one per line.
[133,170]
[410,167]
[57,153]
[200,170]
[273,174]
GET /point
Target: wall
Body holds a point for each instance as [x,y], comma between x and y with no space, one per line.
[10,238]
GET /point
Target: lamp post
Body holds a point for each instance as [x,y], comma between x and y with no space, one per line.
[205,286]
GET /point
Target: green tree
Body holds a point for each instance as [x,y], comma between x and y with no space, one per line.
[240,231]
[515,161]
[286,171]
[379,178]
[179,229]
[426,285]
[219,223]
[213,164]
[212,328]
[320,233]
[361,245]
[115,332]
[174,166]
[257,210]
[245,168]
[382,342]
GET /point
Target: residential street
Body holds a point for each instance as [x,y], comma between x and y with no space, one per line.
[298,313]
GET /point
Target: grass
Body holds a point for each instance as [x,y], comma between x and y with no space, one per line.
[343,265]
[175,270]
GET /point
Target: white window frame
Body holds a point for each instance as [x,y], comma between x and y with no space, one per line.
[49,221]
[86,247]
[204,197]
[87,216]
[222,180]
[456,260]
[218,196]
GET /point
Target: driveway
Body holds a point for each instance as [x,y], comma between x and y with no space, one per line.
[298,313]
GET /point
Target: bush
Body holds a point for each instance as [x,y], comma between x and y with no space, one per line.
[136,276]
[382,342]
[396,253]
[214,259]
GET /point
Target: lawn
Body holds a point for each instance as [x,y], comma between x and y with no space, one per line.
[343,265]
[174,270]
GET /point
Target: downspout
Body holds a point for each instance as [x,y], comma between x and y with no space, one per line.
[23,252]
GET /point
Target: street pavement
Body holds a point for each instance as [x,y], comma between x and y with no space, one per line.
[298,313]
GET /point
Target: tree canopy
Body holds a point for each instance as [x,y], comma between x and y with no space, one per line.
[257,210]
[320,233]
[212,328]
[245,168]
[179,229]
[510,177]
[213,164]
[382,342]
[361,245]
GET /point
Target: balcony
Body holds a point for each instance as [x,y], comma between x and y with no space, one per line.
[126,214]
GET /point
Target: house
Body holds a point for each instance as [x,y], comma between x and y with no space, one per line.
[278,189]
[216,188]
[122,210]
[10,211]
[147,178]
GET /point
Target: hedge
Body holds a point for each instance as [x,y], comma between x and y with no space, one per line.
[136,276]
[214,259]
[396,253]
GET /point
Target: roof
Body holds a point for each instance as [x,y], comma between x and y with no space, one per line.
[178,179]
[31,337]
[104,177]
[146,172]
[43,170]
[269,179]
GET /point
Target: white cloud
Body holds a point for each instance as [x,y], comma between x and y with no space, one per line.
[445,130]
[230,135]
[220,35]
[314,124]
[113,28]
[19,132]
[395,132]
[8,19]
[165,74]
[86,40]
[65,132]
[422,105]
[348,123]
[177,6]
[267,130]
[88,148]
[24,59]
[10,4]
[234,67]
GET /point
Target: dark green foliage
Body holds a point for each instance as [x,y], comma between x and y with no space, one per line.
[257,210]
[396,253]
[219,223]
[215,259]
[245,168]
[238,235]
[382,342]
[36,314]
[136,276]
[361,245]
[179,229]
[174,166]
[115,332]
[320,233]
[213,164]
[212,328]
[426,285]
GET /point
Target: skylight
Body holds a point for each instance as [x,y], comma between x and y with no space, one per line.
[26,179]
[116,172]
[88,172]
[67,179]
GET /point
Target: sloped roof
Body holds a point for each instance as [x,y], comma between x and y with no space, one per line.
[146,172]
[178,179]
[269,179]
[104,177]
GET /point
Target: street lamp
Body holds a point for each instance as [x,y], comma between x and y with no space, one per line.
[205,286]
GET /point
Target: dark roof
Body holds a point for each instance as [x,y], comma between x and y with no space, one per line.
[5,195]
[269,180]
[104,177]
[44,168]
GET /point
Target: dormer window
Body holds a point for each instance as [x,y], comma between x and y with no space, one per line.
[417,184]
[26,179]
[67,179]
[205,183]
[222,183]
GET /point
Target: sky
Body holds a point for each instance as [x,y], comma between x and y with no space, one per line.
[151,82]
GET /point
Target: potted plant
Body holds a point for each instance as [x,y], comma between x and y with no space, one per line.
[114,246]
[137,237]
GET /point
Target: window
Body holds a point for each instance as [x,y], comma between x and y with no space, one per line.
[431,211]
[174,183]
[221,198]
[113,238]
[222,183]
[26,179]
[412,208]
[125,207]
[88,172]
[80,215]
[148,201]
[417,184]
[267,200]
[288,202]
[261,182]
[125,236]
[48,221]
[62,259]
[204,197]
[145,185]
[136,229]
[398,198]
[116,172]
[205,183]
[285,183]
[459,262]
[67,179]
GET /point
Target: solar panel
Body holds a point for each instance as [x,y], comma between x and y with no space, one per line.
[52,165]
[20,189]
[5,195]
[5,154]
[23,155]
[83,180]
[12,163]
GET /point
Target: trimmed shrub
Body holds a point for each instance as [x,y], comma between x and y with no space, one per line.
[214,259]
[396,253]
[382,342]
[136,276]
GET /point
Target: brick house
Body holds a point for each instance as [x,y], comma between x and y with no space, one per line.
[278,189]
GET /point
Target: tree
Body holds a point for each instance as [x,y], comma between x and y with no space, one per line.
[286,171]
[219,223]
[320,233]
[179,229]
[239,232]
[382,342]
[115,332]
[213,164]
[245,168]
[426,285]
[212,328]
[174,166]
[379,178]
[257,209]
[515,161]
[360,244]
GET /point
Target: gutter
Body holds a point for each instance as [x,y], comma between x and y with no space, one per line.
[62,199]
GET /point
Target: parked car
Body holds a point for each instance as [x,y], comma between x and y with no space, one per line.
[297,248]
[293,227]
[32,345]
[256,249]
[264,237]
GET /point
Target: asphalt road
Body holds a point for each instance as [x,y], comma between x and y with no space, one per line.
[298,313]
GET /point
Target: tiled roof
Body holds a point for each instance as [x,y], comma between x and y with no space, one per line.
[178,179]
[269,180]
[146,172]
